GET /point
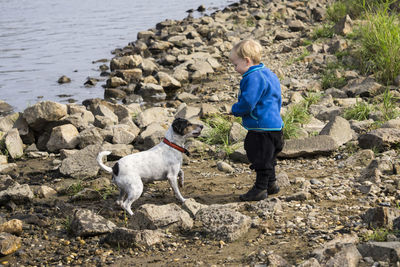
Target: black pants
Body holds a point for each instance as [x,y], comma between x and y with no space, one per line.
[261,149]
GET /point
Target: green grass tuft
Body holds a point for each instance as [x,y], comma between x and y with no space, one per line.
[360,111]
[380,45]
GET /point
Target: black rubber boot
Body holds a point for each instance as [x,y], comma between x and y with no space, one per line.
[254,194]
[273,188]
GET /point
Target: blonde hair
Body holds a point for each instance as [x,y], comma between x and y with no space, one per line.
[248,48]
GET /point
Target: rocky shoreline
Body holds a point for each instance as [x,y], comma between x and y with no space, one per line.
[340,184]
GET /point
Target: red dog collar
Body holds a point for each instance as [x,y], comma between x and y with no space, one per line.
[179,148]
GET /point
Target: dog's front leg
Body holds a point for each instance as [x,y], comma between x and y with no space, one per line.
[181,178]
[173,181]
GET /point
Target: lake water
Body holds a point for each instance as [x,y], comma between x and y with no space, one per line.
[42,40]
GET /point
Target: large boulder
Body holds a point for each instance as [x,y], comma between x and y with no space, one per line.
[151,91]
[81,164]
[125,62]
[38,115]
[88,223]
[19,194]
[364,87]
[381,251]
[63,137]
[315,145]
[339,129]
[381,139]
[153,217]
[222,223]
[382,217]
[153,115]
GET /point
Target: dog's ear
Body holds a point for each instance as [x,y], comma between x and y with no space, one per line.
[179,125]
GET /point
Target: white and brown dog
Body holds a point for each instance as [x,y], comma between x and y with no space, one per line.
[161,162]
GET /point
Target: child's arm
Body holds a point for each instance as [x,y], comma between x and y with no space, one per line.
[251,91]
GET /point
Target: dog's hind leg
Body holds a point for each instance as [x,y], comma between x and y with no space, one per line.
[181,178]
[121,197]
[133,192]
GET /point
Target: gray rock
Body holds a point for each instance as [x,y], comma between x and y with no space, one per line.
[332,247]
[151,91]
[381,251]
[105,111]
[13,143]
[339,129]
[225,167]
[90,136]
[9,244]
[382,217]
[344,26]
[19,194]
[315,145]
[277,260]
[296,25]
[15,120]
[364,87]
[347,256]
[237,133]
[192,206]
[284,35]
[153,135]
[312,262]
[38,115]
[239,154]
[182,75]
[381,139]
[45,191]
[145,35]
[81,164]
[123,237]
[187,112]
[223,223]
[266,208]
[117,150]
[5,108]
[115,82]
[325,113]
[371,173]
[63,137]
[361,158]
[207,110]
[131,75]
[125,62]
[87,194]
[152,115]
[123,134]
[169,83]
[395,123]
[153,217]
[337,44]
[188,98]
[299,196]
[86,223]
[64,79]
[148,67]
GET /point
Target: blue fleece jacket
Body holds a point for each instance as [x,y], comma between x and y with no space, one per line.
[259,100]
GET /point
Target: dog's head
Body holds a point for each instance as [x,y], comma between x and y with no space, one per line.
[185,128]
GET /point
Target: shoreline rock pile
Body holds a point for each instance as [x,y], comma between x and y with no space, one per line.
[51,186]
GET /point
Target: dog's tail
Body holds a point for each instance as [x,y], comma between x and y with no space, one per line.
[100,160]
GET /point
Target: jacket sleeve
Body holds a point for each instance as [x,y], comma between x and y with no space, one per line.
[251,91]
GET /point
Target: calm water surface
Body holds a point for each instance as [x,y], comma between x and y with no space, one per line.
[41,40]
